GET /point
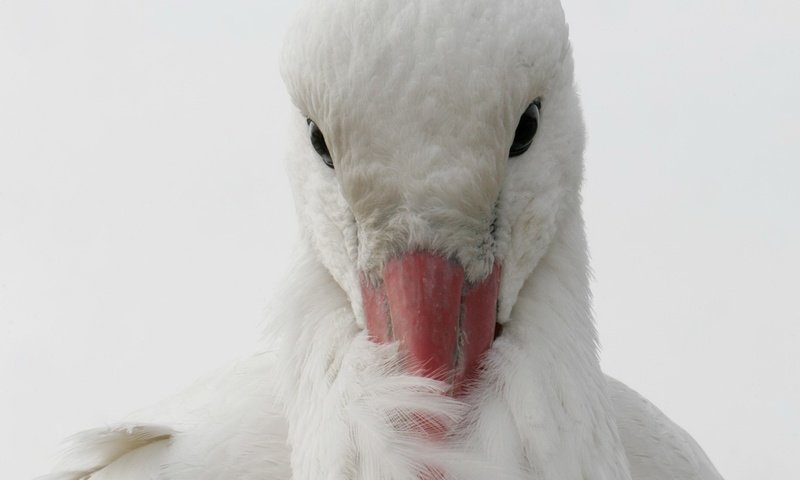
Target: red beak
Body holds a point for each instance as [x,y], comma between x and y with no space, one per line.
[444,326]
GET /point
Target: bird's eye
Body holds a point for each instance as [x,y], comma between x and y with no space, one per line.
[318,142]
[526,129]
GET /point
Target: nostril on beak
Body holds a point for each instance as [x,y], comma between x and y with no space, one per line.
[498,330]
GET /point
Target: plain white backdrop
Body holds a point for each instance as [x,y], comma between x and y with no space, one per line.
[145,217]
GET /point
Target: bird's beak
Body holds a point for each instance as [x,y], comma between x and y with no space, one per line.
[444,325]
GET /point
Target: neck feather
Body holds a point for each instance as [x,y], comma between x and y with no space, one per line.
[539,409]
[543,376]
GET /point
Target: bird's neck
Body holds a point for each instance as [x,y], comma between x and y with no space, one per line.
[547,375]
[539,409]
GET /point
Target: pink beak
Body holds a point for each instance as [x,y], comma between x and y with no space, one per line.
[444,326]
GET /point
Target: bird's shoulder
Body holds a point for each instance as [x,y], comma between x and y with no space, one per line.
[656,447]
[228,425]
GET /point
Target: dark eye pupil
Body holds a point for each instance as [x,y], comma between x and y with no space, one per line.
[526,129]
[318,142]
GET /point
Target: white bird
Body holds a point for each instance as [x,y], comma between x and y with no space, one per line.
[437,323]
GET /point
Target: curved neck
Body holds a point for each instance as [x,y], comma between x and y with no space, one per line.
[547,374]
[539,409]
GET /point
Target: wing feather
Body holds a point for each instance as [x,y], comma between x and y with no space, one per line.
[98,453]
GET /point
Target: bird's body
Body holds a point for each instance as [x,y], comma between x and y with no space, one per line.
[419,102]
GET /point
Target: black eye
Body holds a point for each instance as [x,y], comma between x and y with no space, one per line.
[318,142]
[526,129]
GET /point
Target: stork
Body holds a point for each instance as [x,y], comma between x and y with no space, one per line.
[437,322]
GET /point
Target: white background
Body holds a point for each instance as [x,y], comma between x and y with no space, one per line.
[145,216]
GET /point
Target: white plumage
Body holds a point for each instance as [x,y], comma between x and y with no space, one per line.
[419,101]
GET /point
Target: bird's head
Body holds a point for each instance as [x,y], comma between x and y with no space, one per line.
[434,145]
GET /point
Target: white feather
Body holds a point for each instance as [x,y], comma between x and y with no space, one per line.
[386,80]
